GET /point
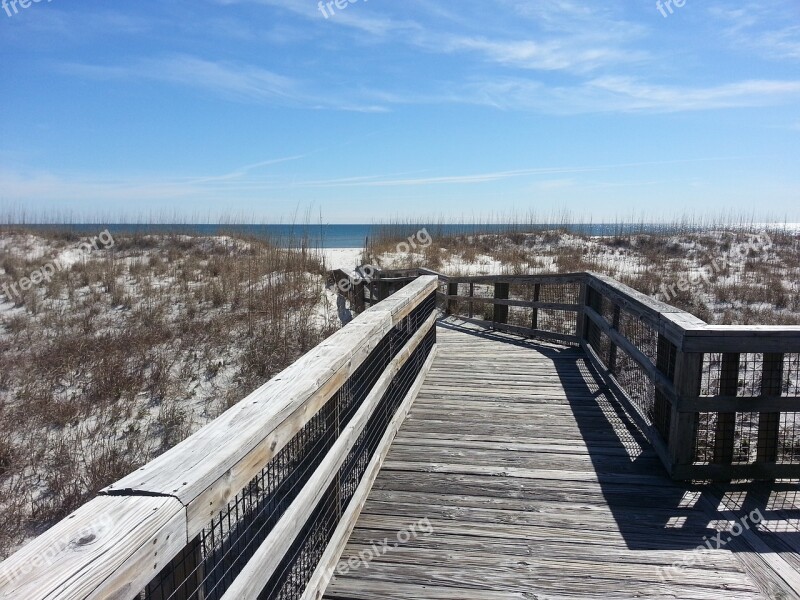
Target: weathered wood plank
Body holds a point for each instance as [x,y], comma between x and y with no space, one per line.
[327,564]
[265,561]
[109,548]
[531,488]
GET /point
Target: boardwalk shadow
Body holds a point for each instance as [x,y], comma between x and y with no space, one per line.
[651,511]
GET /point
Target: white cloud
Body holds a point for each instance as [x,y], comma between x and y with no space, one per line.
[625,94]
[762,28]
[233,81]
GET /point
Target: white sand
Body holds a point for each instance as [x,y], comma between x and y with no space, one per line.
[342,258]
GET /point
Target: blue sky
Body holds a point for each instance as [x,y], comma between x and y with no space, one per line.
[268,110]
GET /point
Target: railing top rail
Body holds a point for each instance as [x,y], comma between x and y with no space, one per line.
[200,460]
[688,332]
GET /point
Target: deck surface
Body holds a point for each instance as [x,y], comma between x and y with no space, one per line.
[524,478]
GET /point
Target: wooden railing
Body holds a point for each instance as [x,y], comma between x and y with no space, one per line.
[716,402]
[259,503]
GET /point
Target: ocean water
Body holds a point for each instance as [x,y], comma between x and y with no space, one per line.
[355,235]
[319,236]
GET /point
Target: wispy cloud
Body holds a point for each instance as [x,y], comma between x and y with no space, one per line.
[233,81]
[548,55]
[635,95]
[762,28]
[379,27]
[625,94]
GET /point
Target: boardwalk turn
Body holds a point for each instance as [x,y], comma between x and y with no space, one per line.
[536,484]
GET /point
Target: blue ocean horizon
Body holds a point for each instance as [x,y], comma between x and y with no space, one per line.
[349,235]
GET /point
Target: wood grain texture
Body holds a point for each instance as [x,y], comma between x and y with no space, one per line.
[538,485]
[325,569]
[258,571]
[109,548]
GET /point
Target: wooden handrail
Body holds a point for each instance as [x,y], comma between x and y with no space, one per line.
[115,545]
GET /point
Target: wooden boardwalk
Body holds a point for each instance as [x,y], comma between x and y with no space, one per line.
[524,478]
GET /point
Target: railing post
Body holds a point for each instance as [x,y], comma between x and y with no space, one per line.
[452,290]
[501,310]
[581,324]
[612,347]
[662,406]
[384,291]
[726,422]
[768,423]
[359,297]
[471,296]
[683,425]
[537,293]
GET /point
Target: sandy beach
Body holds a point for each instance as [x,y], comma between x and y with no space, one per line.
[342,258]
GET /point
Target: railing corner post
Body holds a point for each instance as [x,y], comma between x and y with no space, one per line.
[683,425]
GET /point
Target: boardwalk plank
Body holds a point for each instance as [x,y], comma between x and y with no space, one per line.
[536,484]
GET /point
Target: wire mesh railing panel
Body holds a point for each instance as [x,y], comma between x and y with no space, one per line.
[638,386]
[297,567]
[598,341]
[232,538]
[483,290]
[522,291]
[209,565]
[557,321]
[740,436]
[788,439]
[750,377]
[520,316]
[299,564]
[640,334]
[711,375]
[561,293]
[790,382]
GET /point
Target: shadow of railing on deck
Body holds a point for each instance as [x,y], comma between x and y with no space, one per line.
[650,510]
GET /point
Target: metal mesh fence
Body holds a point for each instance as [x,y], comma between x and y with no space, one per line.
[638,386]
[557,321]
[208,566]
[299,564]
[790,383]
[631,376]
[748,437]
[528,317]
[640,334]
